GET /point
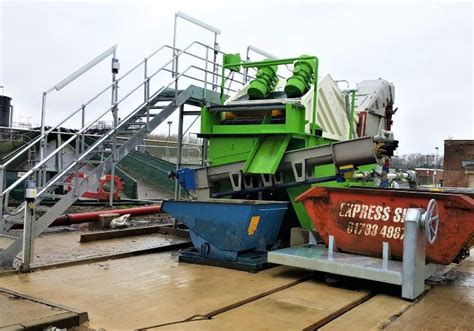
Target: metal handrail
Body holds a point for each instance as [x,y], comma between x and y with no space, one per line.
[94,135]
[77,135]
[108,87]
[52,181]
[45,134]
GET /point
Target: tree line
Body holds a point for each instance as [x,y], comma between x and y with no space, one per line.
[416,160]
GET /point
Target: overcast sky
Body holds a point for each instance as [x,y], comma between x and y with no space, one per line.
[425,49]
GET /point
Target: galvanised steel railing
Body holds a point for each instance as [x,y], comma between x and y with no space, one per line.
[78,137]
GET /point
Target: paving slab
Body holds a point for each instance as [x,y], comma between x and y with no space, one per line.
[294,308]
[374,314]
[445,307]
[147,290]
[18,312]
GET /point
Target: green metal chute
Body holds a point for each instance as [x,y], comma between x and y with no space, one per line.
[266,155]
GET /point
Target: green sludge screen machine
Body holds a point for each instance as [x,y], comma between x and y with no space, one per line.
[271,115]
[269,142]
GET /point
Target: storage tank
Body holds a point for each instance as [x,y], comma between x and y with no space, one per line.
[5,110]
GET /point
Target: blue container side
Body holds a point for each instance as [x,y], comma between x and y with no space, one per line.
[226,225]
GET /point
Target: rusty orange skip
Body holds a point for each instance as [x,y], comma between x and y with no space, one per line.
[362,219]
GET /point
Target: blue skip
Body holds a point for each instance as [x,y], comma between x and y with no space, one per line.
[223,228]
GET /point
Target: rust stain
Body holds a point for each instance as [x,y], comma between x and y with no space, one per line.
[362,219]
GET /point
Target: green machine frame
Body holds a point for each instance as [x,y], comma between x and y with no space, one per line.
[262,145]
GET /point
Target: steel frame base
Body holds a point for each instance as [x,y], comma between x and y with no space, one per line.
[317,257]
[249,261]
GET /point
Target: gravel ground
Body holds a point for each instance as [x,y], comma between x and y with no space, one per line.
[153,218]
[134,221]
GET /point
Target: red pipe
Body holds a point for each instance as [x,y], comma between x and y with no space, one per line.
[68,219]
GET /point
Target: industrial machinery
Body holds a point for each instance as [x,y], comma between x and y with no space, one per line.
[272,118]
[275,137]
[212,225]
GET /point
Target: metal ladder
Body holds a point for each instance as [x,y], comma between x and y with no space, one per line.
[134,122]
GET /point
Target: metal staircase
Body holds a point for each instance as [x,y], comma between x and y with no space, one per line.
[134,123]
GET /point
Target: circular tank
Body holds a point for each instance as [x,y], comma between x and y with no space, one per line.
[5,110]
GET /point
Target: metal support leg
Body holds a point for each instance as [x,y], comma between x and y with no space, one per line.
[83,124]
[42,171]
[112,186]
[385,255]
[204,152]
[114,138]
[414,246]
[2,176]
[28,226]
[76,171]
[59,157]
[179,150]
[331,247]
[28,238]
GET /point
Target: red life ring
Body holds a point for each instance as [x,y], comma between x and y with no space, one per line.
[103,188]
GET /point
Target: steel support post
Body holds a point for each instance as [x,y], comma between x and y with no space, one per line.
[114,158]
[2,178]
[76,171]
[28,238]
[414,246]
[42,142]
[28,226]
[83,124]
[59,157]
[179,150]
[114,137]
[146,100]
[205,142]
[215,79]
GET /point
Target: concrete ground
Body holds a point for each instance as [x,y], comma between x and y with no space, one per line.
[65,246]
[23,312]
[155,291]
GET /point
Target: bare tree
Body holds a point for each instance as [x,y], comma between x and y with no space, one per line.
[416,160]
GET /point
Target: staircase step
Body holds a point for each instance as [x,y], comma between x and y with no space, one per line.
[91,162]
[52,195]
[165,99]
[127,132]
[139,124]
[143,115]
[120,142]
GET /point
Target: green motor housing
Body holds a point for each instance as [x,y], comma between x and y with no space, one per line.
[264,83]
[300,82]
[234,60]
